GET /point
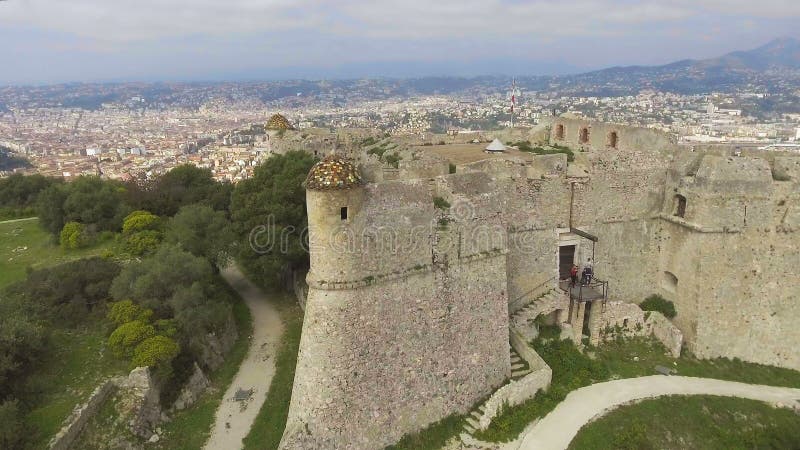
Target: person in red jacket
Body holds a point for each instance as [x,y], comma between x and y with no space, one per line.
[573,275]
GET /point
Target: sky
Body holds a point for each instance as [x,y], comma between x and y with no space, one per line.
[51,41]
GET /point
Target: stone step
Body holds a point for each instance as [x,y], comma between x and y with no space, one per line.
[517,367]
[472,423]
[482,409]
[469,429]
[516,359]
[477,415]
[519,373]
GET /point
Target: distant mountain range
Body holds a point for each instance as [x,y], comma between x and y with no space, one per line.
[778,60]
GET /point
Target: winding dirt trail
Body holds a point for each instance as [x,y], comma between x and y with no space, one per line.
[233,418]
[556,430]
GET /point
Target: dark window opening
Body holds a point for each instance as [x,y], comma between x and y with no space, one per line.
[584,135]
[343,212]
[612,139]
[680,206]
[559,131]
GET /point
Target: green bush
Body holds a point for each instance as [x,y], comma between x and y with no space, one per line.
[126,338]
[393,160]
[73,236]
[126,311]
[452,168]
[658,303]
[440,203]
[157,352]
[139,221]
[143,242]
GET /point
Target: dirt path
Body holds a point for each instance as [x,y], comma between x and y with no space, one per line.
[18,220]
[233,418]
[556,430]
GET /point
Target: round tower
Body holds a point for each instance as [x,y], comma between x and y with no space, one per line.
[334,199]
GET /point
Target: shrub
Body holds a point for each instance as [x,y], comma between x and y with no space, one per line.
[73,236]
[126,338]
[452,168]
[157,352]
[660,304]
[393,160]
[139,221]
[143,242]
[440,203]
[11,426]
[127,311]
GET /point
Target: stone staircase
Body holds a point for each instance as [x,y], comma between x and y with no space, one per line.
[519,368]
[523,319]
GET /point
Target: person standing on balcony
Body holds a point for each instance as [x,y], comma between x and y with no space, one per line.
[573,276]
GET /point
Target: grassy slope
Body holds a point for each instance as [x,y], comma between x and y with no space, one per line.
[616,360]
[40,252]
[61,383]
[190,428]
[271,420]
[707,422]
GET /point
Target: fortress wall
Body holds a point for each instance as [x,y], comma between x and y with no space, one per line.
[737,280]
[599,136]
[748,297]
[390,358]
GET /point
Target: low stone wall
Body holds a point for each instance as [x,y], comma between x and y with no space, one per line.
[663,330]
[517,391]
[622,319]
[80,417]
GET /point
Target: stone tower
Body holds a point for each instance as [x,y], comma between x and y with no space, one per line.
[392,340]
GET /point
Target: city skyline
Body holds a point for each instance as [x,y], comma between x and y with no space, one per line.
[176,40]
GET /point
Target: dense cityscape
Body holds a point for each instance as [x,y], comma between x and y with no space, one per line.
[142,130]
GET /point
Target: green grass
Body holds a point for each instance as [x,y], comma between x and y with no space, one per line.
[190,428]
[60,383]
[41,251]
[434,436]
[702,422]
[619,359]
[267,429]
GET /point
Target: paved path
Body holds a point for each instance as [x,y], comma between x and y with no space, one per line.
[556,430]
[234,419]
[18,220]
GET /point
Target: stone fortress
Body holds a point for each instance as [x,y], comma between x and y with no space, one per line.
[421,277]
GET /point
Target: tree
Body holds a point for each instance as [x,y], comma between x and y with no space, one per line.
[127,311]
[19,193]
[275,198]
[93,201]
[156,278]
[128,335]
[143,242]
[66,293]
[89,200]
[157,352]
[184,185]
[12,433]
[21,342]
[50,209]
[139,221]
[73,236]
[202,231]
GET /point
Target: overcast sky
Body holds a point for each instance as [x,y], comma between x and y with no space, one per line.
[97,40]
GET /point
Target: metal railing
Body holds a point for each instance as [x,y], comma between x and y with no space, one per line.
[591,289]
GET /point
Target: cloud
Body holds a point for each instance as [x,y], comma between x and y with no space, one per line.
[126,20]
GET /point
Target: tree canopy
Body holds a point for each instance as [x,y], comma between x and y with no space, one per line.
[202,231]
[274,197]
